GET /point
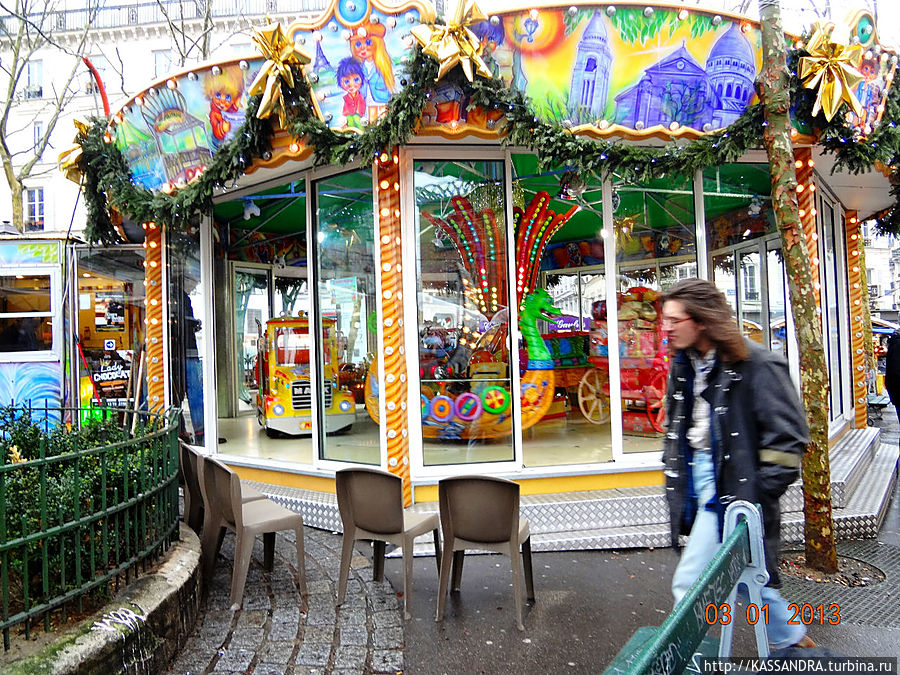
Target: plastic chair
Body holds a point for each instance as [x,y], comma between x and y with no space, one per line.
[371,506]
[225,508]
[482,512]
[193,496]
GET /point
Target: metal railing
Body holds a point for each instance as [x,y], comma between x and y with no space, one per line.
[83,503]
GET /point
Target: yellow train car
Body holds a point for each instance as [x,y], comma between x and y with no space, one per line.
[284,398]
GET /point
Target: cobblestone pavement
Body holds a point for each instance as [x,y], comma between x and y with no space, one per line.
[278,633]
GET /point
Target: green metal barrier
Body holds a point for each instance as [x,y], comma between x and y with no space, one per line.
[669,648]
[81,506]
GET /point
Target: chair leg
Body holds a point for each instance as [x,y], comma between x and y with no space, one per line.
[378,560]
[529,577]
[243,548]
[346,554]
[517,581]
[446,557]
[211,542]
[437,550]
[458,558]
[407,576]
[301,560]
[195,516]
[269,551]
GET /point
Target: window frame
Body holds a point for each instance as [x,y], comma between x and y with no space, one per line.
[33,207]
[55,313]
[34,79]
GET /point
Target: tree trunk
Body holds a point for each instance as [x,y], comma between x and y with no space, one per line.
[774,87]
[16,190]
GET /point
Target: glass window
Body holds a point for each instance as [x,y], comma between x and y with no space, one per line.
[751,305]
[262,384]
[101,64]
[34,87]
[26,312]
[737,203]
[251,312]
[835,334]
[34,209]
[345,244]
[463,318]
[187,334]
[38,133]
[776,290]
[744,248]
[162,62]
[655,248]
[110,326]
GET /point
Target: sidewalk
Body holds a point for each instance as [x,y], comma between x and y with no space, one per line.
[589,603]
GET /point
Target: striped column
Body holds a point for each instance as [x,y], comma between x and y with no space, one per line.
[156,380]
[806,192]
[859,293]
[394,425]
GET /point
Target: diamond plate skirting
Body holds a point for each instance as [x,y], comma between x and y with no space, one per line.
[863,475]
[862,516]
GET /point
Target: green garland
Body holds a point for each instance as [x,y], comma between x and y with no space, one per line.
[108,181]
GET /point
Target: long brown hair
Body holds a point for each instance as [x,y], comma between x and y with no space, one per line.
[706,305]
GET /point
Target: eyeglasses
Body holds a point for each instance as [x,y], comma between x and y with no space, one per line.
[671,321]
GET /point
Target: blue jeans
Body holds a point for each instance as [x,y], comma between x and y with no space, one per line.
[702,546]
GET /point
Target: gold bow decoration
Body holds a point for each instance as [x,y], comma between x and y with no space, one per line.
[281,54]
[70,160]
[455,43]
[833,67]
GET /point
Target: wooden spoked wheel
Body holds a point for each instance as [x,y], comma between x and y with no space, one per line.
[593,396]
[655,393]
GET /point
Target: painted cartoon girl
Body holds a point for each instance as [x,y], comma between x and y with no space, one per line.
[224,93]
[868,92]
[351,78]
[367,46]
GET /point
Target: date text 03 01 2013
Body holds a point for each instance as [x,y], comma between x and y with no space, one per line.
[801,615]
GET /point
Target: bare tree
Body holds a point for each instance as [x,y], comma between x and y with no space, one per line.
[191,25]
[26,32]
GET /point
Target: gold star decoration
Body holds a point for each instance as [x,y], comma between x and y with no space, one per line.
[454,43]
[833,67]
[280,53]
[70,160]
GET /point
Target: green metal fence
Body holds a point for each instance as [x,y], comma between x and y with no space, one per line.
[83,504]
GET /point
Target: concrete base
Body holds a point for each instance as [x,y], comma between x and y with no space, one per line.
[139,631]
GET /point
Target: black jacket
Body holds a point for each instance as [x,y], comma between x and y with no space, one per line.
[892,369]
[759,434]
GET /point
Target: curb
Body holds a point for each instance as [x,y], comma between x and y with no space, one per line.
[139,631]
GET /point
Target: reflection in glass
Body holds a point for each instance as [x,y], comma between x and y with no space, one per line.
[187,334]
[751,297]
[834,337]
[655,248]
[724,279]
[251,312]
[777,292]
[345,237]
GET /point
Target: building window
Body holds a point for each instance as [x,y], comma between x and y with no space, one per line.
[26,312]
[100,63]
[35,76]
[34,209]
[162,62]
[38,134]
